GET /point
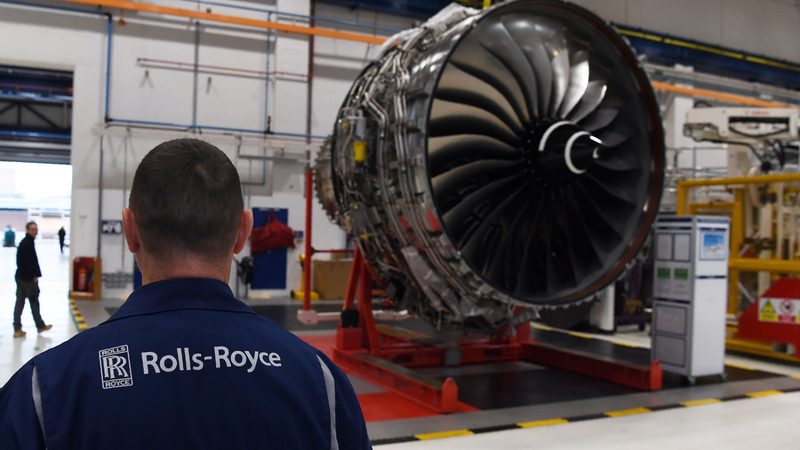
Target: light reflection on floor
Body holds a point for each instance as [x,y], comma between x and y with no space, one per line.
[54,301]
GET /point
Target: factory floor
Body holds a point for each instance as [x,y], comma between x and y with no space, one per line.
[755,407]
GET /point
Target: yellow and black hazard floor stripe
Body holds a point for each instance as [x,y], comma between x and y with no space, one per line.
[77,317]
[564,420]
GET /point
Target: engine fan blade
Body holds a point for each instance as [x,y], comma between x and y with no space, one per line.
[479,62]
[460,87]
[600,118]
[595,91]
[605,227]
[530,42]
[615,163]
[487,216]
[491,192]
[613,139]
[448,118]
[578,82]
[558,52]
[444,150]
[497,40]
[599,188]
[461,178]
[507,254]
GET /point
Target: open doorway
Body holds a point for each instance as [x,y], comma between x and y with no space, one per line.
[35,185]
[41,193]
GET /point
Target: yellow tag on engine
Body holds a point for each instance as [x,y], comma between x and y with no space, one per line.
[359,151]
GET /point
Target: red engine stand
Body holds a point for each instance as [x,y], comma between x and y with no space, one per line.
[383,354]
[775,317]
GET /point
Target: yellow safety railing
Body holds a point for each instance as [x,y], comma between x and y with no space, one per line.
[736,264]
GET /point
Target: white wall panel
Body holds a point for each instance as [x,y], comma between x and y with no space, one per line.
[240,95]
[768,27]
[698,19]
[147,93]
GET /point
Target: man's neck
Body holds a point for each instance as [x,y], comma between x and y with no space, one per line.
[161,276]
[186,267]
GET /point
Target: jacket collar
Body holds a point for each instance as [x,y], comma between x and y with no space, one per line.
[180,293]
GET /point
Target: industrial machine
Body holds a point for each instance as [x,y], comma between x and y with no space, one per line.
[492,163]
[765,220]
[762,134]
[690,293]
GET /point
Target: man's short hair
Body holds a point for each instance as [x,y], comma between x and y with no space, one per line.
[186,198]
[28,225]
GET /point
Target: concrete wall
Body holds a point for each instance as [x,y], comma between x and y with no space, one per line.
[768,27]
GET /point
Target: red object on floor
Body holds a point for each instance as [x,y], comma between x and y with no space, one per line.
[780,322]
[383,356]
[380,406]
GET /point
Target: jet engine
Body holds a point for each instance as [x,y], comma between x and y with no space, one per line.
[494,162]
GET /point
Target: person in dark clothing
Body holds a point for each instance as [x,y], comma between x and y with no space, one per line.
[9,237]
[183,363]
[62,233]
[27,277]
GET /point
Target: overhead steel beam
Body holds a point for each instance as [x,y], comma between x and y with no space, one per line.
[7,108]
[42,117]
[34,152]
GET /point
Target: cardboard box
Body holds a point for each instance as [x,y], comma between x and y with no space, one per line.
[330,278]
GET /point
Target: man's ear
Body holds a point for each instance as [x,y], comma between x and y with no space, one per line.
[245,227]
[131,230]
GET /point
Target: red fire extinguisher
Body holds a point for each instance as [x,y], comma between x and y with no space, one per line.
[82,275]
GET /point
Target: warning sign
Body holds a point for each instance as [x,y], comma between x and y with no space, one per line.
[781,310]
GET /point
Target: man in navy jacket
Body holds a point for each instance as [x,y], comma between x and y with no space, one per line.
[183,363]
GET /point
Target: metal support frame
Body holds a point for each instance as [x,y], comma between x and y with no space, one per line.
[737,236]
[307,240]
[42,117]
[383,354]
[7,108]
[750,335]
[18,105]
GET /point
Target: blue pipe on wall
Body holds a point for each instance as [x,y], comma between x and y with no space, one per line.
[269,49]
[57,99]
[109,33]
[35,134]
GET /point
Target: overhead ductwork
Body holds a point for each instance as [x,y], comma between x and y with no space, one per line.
[495,159]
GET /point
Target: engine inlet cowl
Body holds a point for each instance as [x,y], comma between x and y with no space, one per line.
[498,158]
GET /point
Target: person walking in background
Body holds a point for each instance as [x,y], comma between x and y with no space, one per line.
[62,233]
[27,277]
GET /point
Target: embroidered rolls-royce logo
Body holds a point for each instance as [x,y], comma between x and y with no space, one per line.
[115,367]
